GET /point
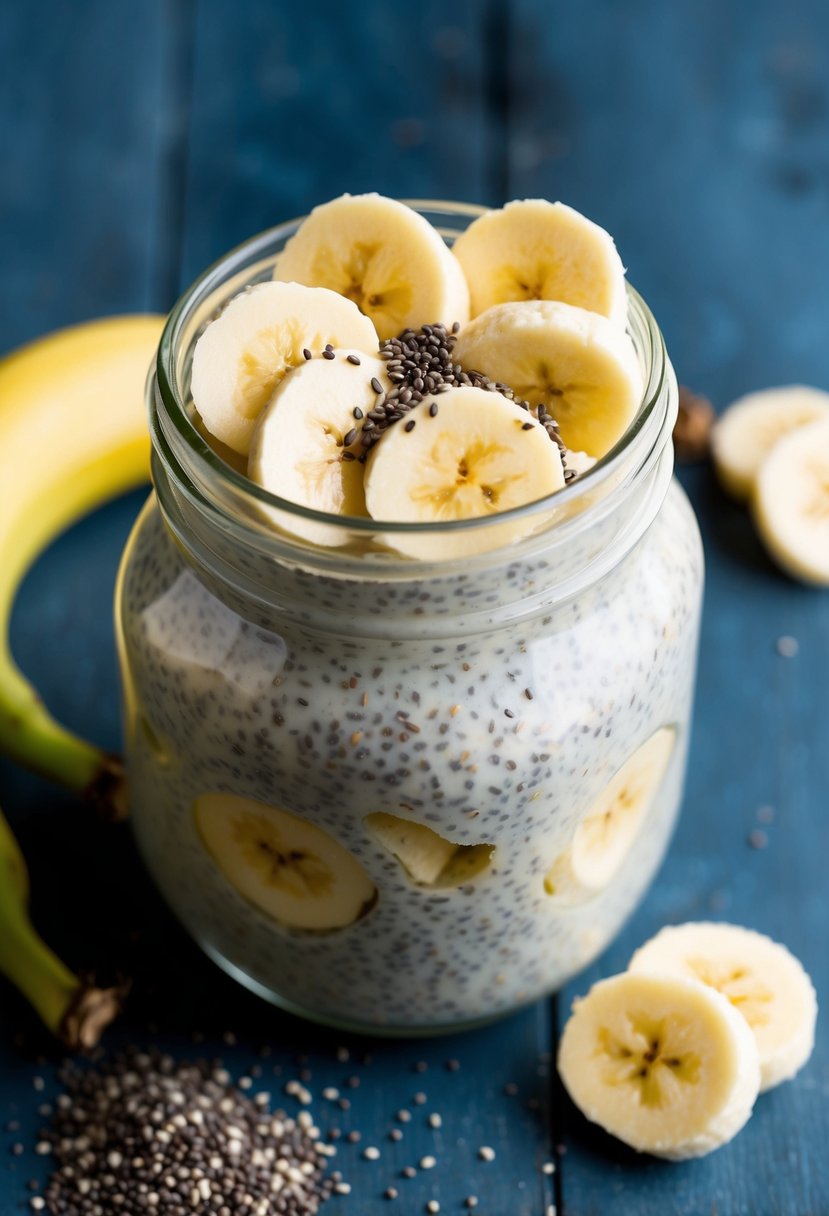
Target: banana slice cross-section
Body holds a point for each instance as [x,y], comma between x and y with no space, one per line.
[533,249]
[665,1064]
[466,453]
[262,333]
[761,979]
[382,255]
[579,365]
[750,427]
[290,869]
[791,503]
[298,448]
[429,858]
[607,832]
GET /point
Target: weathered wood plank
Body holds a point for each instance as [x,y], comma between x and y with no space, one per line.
[82,146]
[699,135]
[293,108]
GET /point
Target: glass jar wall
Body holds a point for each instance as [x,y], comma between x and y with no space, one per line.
[393,794]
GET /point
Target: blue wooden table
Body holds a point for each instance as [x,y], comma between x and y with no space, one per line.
[138,142]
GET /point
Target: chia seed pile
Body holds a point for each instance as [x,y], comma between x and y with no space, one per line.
[148,1134]
[419,365]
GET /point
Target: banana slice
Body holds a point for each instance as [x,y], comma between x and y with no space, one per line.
[665,1064]
[761,979]
[298,448]
[290,869]
[429,858]
[579,365]
[536,250]
[606,835]
[463,454]
[791,503]
[748,430]
[382,255]
[242,355]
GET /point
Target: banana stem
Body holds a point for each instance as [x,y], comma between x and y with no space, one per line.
[73,1009]
[31,736]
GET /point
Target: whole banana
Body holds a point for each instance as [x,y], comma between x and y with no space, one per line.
[73,434]
[73,1008]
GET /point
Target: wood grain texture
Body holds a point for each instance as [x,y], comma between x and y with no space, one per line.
[700,137]
[142,141]
[82,145]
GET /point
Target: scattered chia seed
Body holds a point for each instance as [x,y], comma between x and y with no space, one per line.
[435,1121]
[486,1153]
[421,1065]
[409,1171]
[787,647]
[419,1099]
[433,1206]
[765,814]
[404,1116]
[453,1065]
[355,359]
[306,354]
[371,1153]
[390,1192]
[395,1135]
[471,1201]
[328,354]
[354,1137]
[419,365]
[510,1089]
[144,1132]
[549,1167]
[758,839]
[427,1163]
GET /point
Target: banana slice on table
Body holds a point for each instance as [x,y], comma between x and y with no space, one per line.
[290,869]
[579,365]
[463,454]
[761,979]
[748,430]
[607,833]
[791,503]
[533,249]
[298,447]
[665,1064]
[429,858]
[262,333]
[382,255]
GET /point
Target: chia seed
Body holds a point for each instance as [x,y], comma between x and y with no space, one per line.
[146,1132]
[419,365]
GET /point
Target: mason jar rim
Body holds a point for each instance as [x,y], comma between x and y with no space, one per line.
[203,476]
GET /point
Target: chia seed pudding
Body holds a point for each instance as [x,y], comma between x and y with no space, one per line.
[494,699]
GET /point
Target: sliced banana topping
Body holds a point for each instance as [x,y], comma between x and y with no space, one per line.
[791,503]
[748,430]
[606,834]
[241,357]
[533,249]
[290,869]
[761,979]
[429,858]
[666,1064]
[305,445]
[382,255]
[466,453]
[578,364]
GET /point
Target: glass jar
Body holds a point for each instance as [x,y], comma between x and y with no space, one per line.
[398,795]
